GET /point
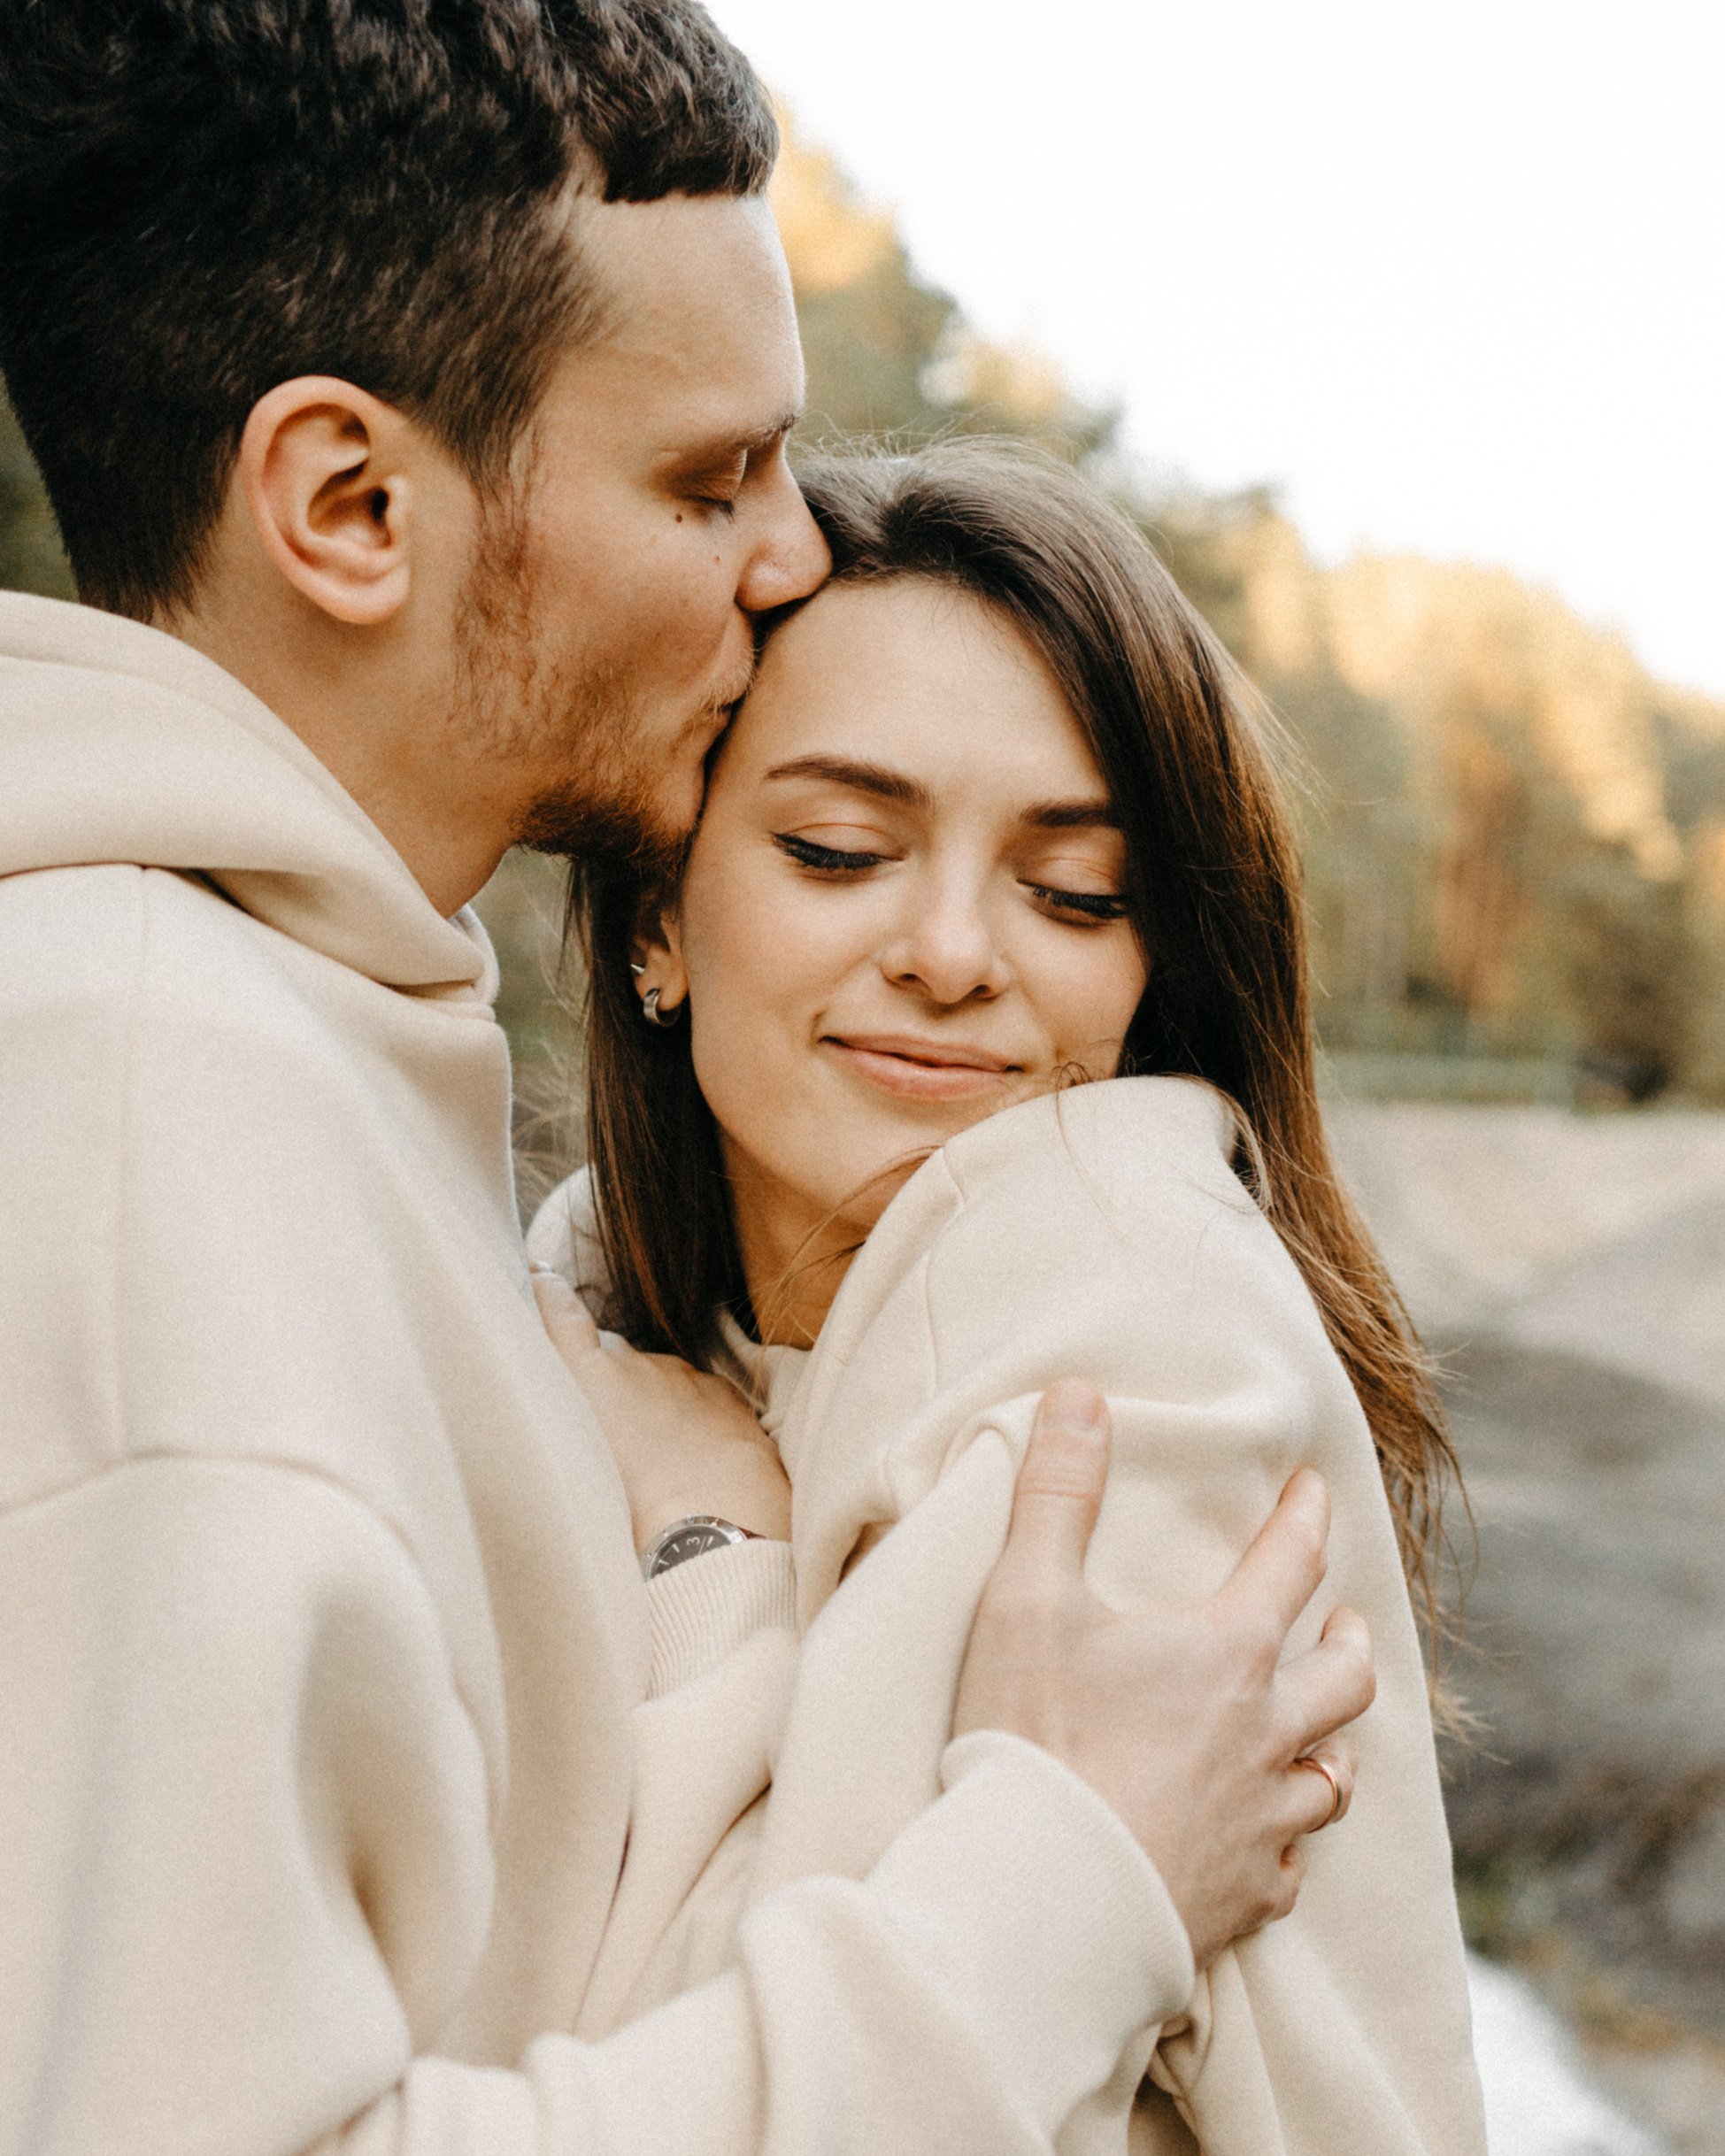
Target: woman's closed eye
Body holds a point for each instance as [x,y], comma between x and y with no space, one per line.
[1089,907]
[1079,885]
[821,858]
[824,860]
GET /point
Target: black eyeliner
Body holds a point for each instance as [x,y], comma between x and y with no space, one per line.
[1095,905]
[831,859]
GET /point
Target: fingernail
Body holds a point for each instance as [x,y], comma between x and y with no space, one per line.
[1307,1486]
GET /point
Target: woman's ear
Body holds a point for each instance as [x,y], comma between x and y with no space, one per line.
[656,956]
[327,474]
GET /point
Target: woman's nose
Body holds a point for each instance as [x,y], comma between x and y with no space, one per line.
[946,946]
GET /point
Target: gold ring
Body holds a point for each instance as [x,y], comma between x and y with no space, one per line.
[1323,1768]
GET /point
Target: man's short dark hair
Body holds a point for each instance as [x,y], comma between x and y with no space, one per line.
[202,198]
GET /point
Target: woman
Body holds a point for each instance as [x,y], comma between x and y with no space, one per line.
[997,823]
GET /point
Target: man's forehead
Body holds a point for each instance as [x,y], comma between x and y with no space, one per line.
[696,292]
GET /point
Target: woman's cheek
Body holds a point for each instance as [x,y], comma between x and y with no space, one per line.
[748,1029]
[738,1080]
[1099,1001]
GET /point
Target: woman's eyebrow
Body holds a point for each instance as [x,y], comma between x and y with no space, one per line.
[1072,816]
[889,785]
[877,779]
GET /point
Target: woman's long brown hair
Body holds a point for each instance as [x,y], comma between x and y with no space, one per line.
[1213,883]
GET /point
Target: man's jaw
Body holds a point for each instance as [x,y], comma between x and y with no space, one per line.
[622,816]
[584,827]
[627,822]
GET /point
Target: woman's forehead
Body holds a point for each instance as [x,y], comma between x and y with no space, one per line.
[917,673]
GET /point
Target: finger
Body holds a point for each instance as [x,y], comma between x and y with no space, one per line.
[1284,1566]
[566,1317]
[1315,1800]
[1344,1762]
[1331,1684]
[1060,1481]
[1291,1878]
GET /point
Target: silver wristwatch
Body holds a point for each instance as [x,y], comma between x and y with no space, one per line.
[691,1538]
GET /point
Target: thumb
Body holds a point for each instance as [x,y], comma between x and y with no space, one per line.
[566,1318]
[1059,1491]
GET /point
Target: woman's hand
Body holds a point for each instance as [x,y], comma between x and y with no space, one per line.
[684,1442]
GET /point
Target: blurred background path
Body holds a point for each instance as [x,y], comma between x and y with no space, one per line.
[1571,1270]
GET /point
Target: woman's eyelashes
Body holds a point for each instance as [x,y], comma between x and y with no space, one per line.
[1081,909]
[1088,906]
[825,860]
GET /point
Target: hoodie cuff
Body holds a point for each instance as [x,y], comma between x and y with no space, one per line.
[1044,1917]
[702,1611]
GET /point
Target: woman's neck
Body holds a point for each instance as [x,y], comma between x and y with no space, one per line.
[794,1256]
[793,1278]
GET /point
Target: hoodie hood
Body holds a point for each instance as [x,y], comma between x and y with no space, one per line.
[120,743]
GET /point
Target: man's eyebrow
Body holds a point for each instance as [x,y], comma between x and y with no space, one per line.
[718,449]
[876,779]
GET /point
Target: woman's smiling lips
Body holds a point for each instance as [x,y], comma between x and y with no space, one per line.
[920,1069]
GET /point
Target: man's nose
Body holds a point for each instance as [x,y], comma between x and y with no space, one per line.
[790,559]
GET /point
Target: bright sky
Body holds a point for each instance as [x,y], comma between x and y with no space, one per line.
[1453,278]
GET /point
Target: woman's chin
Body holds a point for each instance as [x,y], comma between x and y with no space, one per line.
[898,1145]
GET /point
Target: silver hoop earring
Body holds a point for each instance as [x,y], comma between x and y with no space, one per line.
[650,1010]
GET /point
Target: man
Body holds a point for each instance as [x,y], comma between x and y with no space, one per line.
[411,383]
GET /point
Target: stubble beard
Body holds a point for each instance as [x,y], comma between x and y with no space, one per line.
[584,722]
[605,811]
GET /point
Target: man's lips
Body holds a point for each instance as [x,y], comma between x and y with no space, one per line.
[921,1069]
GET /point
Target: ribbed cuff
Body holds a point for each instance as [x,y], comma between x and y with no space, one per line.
[704,1609]
[1042,1915]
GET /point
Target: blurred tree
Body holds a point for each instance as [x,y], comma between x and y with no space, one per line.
[1692,734]
[1630,967]
[1500,824]
[872,329]
[889,353]
[1691,731]
[1703,909]
[1210,543]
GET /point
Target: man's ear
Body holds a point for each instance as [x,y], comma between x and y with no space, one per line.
[327,472]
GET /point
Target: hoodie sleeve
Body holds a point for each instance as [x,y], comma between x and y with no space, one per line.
[293,1786]
[1344,2030]
[248,1869]
[1102,1231]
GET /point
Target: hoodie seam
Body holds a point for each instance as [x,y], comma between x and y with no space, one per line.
[962,1199]
[125,1153]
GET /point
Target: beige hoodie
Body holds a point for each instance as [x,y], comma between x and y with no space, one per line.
[1100,1231]
[321,1631]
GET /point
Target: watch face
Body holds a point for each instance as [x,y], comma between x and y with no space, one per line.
[694,1540]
